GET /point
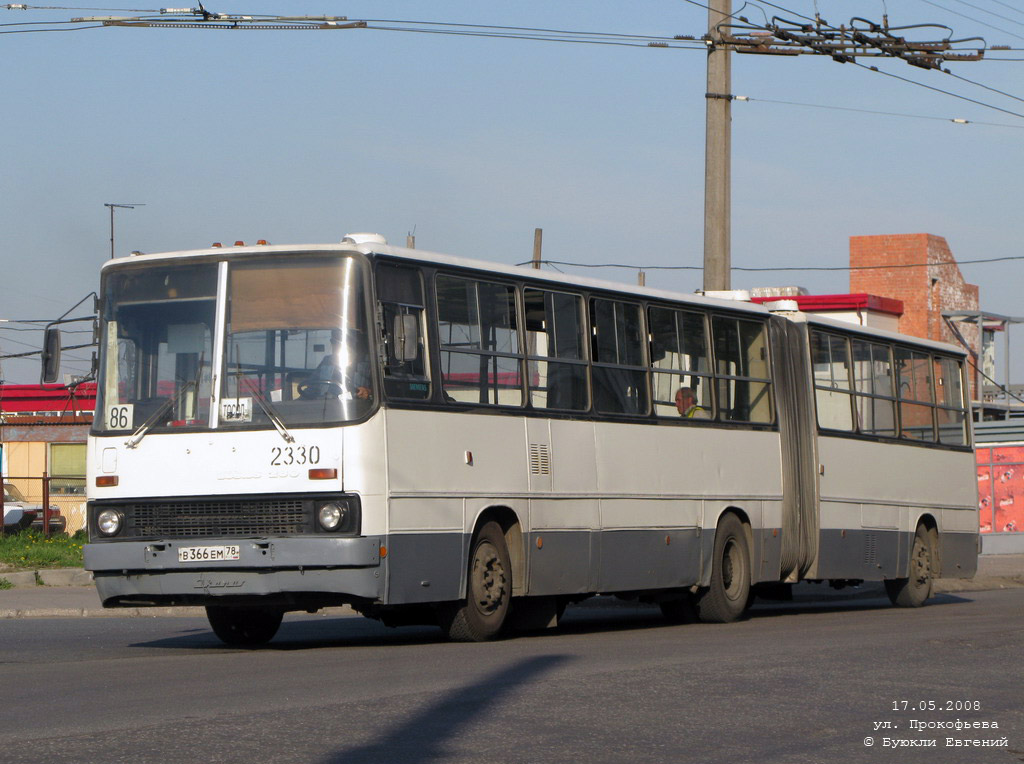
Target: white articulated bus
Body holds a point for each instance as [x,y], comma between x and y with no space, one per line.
[429,438]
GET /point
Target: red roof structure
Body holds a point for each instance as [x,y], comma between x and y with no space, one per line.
[820,303]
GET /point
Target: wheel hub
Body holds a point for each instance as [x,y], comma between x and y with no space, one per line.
[488,579]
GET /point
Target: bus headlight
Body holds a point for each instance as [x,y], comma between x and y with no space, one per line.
[109,522]
[331,515]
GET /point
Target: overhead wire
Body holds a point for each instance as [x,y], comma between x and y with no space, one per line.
[970,18]
[991,13]
[1007,5]
[937,90]
[830,268]
[981,85]
[955,120]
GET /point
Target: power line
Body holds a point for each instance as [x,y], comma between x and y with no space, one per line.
[24,7]
[888,266]
[41,31]
[970,18]
[955,120]
[937,90]
[991,13]
[986,87]
[1006,5]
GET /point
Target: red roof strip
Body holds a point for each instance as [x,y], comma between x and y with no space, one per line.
[837,302]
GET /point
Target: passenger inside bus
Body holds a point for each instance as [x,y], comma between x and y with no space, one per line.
[686,403]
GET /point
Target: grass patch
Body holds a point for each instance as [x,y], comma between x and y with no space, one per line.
[5,584]
[30,550]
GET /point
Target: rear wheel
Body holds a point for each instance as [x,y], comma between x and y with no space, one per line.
[917,587]
[488,590]
[243,626]
[727,597]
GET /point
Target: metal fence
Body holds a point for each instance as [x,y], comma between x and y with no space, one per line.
[59,502]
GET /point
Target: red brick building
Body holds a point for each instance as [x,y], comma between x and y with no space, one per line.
[921,272]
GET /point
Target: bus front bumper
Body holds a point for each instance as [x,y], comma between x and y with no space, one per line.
[299,572]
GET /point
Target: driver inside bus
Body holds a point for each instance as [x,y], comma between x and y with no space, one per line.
[686,404]
[331,379]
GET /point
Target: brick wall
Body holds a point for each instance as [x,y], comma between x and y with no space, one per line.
[924,275]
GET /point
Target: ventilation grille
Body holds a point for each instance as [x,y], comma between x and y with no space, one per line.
[540,459]
[870,548]
[240,517]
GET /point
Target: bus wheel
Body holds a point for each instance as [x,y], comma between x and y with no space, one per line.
[726,599]
[488,590]
[244,626]
[914,590]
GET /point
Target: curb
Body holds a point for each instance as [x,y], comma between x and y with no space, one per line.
[132,612]
[48,577]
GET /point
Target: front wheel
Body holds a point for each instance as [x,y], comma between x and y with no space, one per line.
[242,626]
[729,594]
[488,590]
[917,587]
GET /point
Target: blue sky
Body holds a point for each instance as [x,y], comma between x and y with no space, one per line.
[304,136]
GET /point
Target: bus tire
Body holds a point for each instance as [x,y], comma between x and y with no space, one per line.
[727,597]
[482,615]
[917,587]
[244,626]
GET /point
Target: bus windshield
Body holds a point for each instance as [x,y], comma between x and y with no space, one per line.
[296,345]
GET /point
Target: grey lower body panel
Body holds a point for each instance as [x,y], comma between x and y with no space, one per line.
[288,589]
[292,572]
[877,554]
[958,555]
[584,561]
[862,554]
[420,568]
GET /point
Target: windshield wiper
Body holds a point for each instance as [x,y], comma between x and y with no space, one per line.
[192,384]
[166,406]
[272,415]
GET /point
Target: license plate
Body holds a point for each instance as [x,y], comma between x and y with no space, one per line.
[207,553]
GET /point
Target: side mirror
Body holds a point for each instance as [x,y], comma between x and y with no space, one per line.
[407,338]
[50,356]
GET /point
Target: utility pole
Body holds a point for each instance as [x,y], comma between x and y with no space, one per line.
[118,206]
[538,236]
[781,37]
[717,153]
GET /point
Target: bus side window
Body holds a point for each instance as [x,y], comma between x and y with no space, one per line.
[481,361]
[951,408]
[619,373]
[914,387]
[873,382]
[556,364]
[743,379]
[401,316]
[679,359]
[830,359]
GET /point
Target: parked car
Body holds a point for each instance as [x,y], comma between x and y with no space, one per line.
[19,513]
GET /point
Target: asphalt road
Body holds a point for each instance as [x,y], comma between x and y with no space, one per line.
[795,683]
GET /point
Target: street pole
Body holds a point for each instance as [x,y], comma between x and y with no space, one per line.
[538,237]
[717,150]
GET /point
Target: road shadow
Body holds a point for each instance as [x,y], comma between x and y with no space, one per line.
[424,736]
[842,604]
[303,632]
